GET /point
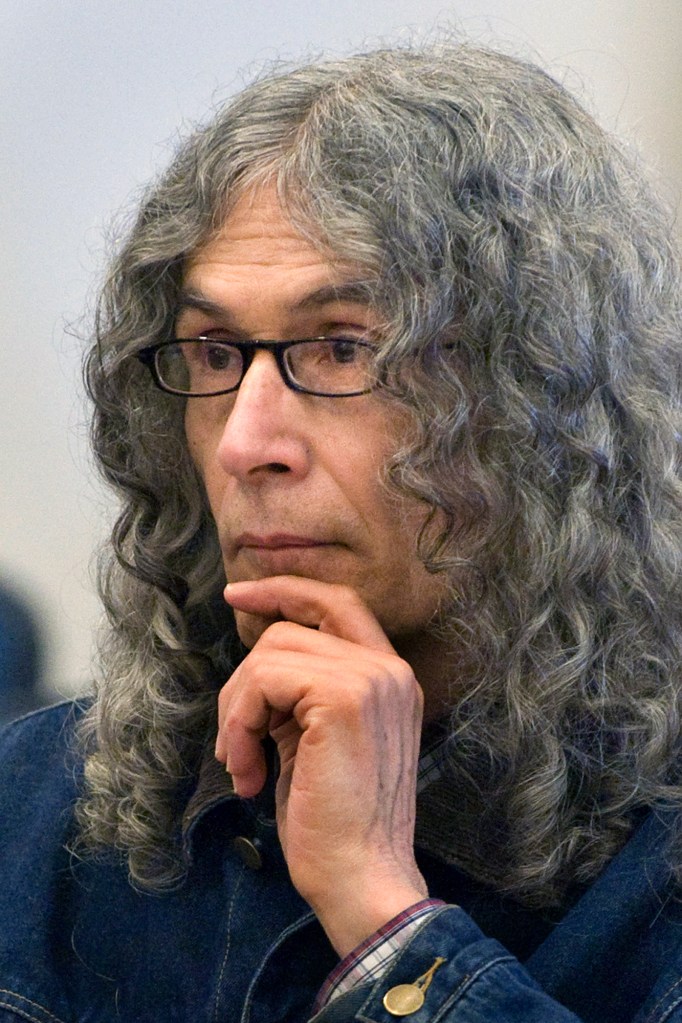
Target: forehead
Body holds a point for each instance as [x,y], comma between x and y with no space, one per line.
[258,252]
[258,233]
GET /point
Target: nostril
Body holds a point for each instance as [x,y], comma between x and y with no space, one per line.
[278,467]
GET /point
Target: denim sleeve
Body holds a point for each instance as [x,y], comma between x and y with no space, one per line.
[479,982]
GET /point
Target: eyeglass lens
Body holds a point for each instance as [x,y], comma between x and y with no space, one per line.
[327,365]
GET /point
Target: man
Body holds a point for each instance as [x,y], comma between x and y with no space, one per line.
[392,350]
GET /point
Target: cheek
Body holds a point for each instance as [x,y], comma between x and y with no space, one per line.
[192,435]
[203,432]
[201,445]
[406,523]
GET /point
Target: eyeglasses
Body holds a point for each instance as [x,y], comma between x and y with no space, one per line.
[198,367]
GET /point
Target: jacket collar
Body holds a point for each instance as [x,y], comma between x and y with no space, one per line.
[214,793]
[214,786]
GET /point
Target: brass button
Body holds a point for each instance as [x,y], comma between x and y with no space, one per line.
[249,849]
[403,1000]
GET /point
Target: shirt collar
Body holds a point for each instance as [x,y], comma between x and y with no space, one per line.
[431,759]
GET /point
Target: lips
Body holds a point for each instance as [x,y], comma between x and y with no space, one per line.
[254,555]
[276,541]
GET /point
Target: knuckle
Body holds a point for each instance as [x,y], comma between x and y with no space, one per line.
[278,634]
[232,721]
[399,672]
[224,698]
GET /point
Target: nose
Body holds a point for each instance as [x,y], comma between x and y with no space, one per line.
[265,431]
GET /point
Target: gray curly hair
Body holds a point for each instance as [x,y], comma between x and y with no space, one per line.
[485,206]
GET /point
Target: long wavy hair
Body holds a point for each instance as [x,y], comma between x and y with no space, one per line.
[486,207]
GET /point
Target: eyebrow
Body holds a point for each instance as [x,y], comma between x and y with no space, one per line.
[347,291]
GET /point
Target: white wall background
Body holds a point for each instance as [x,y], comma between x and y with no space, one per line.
[91,97]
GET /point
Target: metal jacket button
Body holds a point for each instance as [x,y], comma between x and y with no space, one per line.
[404,999]
[249,850]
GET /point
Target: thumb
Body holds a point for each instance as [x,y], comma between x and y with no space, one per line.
[328,607]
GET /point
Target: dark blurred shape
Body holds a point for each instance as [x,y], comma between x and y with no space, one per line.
[21,655]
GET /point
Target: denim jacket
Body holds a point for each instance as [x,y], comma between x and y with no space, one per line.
[235,942]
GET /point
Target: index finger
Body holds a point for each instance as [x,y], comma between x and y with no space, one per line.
[329,607]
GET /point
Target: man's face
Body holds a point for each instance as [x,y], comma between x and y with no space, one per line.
[293,480]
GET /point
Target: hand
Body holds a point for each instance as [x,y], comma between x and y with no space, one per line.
[345,713]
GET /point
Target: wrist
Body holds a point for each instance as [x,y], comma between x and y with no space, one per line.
[351,918]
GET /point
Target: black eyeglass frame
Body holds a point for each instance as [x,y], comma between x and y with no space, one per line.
[247,350]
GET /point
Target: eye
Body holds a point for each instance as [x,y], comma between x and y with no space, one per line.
[209,366]
[344,350]
[209,356]
[217,357]
[331,365]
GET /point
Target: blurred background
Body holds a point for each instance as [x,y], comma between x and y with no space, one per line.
[93,97]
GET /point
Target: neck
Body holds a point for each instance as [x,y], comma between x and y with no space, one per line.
[436,667]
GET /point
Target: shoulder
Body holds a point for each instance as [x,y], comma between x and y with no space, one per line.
[53,725]
[38,758]
[40,777]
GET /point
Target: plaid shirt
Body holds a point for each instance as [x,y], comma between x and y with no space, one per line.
[369,960]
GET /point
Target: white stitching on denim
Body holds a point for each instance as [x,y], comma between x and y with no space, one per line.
[651,1018]
[669,1010]
[27,1001]
[229,941]
[18,1012]
[467,982]
[297,925]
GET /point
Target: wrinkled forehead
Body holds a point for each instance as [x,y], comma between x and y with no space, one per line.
[260,235]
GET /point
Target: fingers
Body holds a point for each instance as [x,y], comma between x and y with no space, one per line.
[259,699]
[320,636]
[323,680]
[244,759]
[328,607]
[317,681]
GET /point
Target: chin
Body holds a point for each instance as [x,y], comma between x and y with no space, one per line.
[250,628]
